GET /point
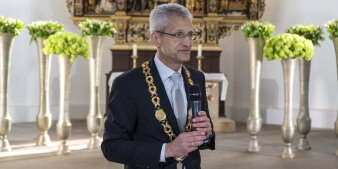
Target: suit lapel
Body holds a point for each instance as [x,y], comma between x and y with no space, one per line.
[164,100]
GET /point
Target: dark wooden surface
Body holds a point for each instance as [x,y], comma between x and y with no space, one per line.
[123,62]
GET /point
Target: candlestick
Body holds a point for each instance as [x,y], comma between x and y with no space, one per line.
[199,51]
[135,49]
[199,62]
[134,57]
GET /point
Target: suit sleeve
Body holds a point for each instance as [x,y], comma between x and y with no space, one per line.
[204,106]
[118,144]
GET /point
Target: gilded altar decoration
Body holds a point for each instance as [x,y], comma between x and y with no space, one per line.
[213,19]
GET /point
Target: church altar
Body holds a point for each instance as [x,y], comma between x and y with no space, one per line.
[212,20]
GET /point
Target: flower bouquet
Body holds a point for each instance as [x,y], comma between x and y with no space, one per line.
[287,45]
[258,29]
[332,28]
[43,29]
[10,25]
[311,32]
[66,44]
[92,27]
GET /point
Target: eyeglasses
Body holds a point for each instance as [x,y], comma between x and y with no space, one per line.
[180,36]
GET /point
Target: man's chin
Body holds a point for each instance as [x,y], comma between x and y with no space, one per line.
[185,58]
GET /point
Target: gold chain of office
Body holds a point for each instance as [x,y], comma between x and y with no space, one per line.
[160,115]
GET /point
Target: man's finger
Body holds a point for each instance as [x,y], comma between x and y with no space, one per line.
[203,125]
[195,133]
[196,138]
[201,119]
[202,113]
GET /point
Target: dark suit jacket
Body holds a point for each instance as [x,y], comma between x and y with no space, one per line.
[132,135]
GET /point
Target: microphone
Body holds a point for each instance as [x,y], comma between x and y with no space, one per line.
[195,100]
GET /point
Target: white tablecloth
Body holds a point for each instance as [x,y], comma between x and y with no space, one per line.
[219,77]
[214,77]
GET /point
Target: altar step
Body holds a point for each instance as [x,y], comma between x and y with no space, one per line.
[224,124]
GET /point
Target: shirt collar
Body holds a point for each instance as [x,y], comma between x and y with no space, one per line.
[164,71]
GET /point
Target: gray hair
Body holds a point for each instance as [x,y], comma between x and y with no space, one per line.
[160,16]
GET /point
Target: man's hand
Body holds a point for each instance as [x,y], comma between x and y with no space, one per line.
[202,123]
[184,144]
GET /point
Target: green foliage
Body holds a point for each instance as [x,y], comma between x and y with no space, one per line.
[92,27]
[43,29]
[66,44]
[10,25]
[287,45]
[332,28]
[258,29]
[311,32]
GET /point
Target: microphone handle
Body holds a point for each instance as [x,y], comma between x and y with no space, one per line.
[196,107]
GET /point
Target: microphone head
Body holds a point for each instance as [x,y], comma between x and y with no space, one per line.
[195,92]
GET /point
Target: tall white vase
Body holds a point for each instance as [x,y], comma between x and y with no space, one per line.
[6,45]
[335,43]
[44,117]
[254,122]
[304,120]
[63,126]
[288,128]
[94,118]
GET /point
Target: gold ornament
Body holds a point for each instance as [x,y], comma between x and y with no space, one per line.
[152,90]
[150,80]
[160,115]
[156,101]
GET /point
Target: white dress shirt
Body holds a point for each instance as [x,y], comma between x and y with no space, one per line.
[165,73]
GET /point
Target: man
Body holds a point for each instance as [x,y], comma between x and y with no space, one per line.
[148,125]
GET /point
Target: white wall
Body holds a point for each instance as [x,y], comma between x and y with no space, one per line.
[24,84]
[323,78]
[24,76]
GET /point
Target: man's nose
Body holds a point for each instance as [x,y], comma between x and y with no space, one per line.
[187,41]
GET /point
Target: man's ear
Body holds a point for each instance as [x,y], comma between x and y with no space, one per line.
[155,39]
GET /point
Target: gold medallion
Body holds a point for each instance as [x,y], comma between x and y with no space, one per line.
[160,115]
